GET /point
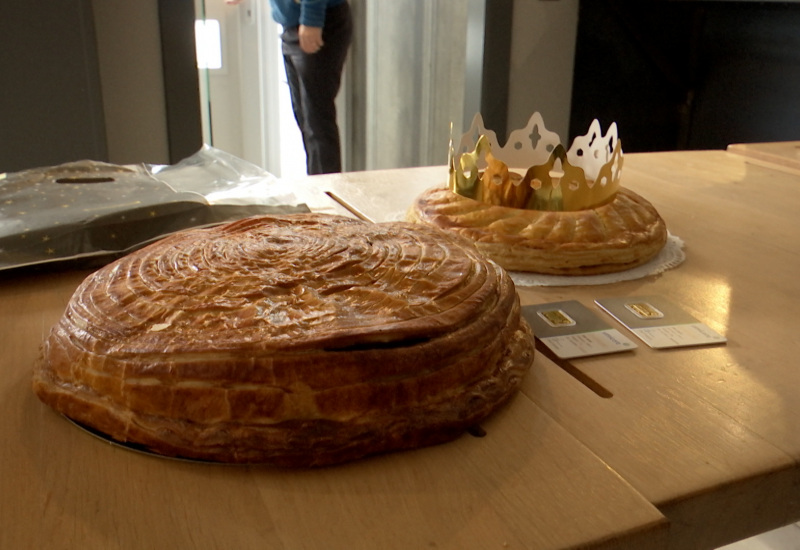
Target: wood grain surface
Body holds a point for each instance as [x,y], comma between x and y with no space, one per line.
[706,434]
[781,154]
[527,483]
[686,448]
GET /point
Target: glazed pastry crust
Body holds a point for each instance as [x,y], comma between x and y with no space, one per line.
[621,234]
[299,340]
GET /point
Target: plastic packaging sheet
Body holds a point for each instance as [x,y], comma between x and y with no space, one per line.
[94,210]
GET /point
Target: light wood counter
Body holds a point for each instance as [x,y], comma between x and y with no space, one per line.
[708,434]
[695,448]
[527,484]
[781,154]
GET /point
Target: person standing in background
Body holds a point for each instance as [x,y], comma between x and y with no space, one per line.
[315,40]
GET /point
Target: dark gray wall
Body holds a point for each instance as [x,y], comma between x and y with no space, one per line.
[52,96]
[182,95]
[51,104]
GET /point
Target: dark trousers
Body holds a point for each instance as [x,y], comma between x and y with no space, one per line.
[314,81]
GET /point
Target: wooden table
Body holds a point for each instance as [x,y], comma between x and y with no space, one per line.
[694,448]
[781,154]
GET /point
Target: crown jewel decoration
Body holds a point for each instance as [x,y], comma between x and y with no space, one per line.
[533,170]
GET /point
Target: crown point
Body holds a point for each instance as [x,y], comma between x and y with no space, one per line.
[582,177]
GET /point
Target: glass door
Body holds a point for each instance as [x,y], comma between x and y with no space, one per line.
[244,97]
[408,76]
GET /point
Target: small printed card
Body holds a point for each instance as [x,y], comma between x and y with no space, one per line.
[660,323]
[571,330]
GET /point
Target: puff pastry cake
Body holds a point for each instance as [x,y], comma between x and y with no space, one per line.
[297,340]
[618,235]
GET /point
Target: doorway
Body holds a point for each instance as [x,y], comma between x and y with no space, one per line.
[405,82]
[245,103]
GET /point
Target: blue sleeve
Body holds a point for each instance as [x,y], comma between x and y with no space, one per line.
[312,12]
[285,12]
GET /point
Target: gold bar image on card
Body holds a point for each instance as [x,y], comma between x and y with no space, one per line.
[556,318]
[643,310]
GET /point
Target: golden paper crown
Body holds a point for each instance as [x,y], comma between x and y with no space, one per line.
[533,170]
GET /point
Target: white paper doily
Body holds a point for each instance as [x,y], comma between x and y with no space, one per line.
[671,256]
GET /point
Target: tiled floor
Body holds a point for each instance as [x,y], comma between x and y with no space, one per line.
[785,538]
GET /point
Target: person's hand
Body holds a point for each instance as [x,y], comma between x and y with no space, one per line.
[310,38]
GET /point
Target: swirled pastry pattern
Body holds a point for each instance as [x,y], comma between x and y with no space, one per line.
[295,340]
[618,235]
